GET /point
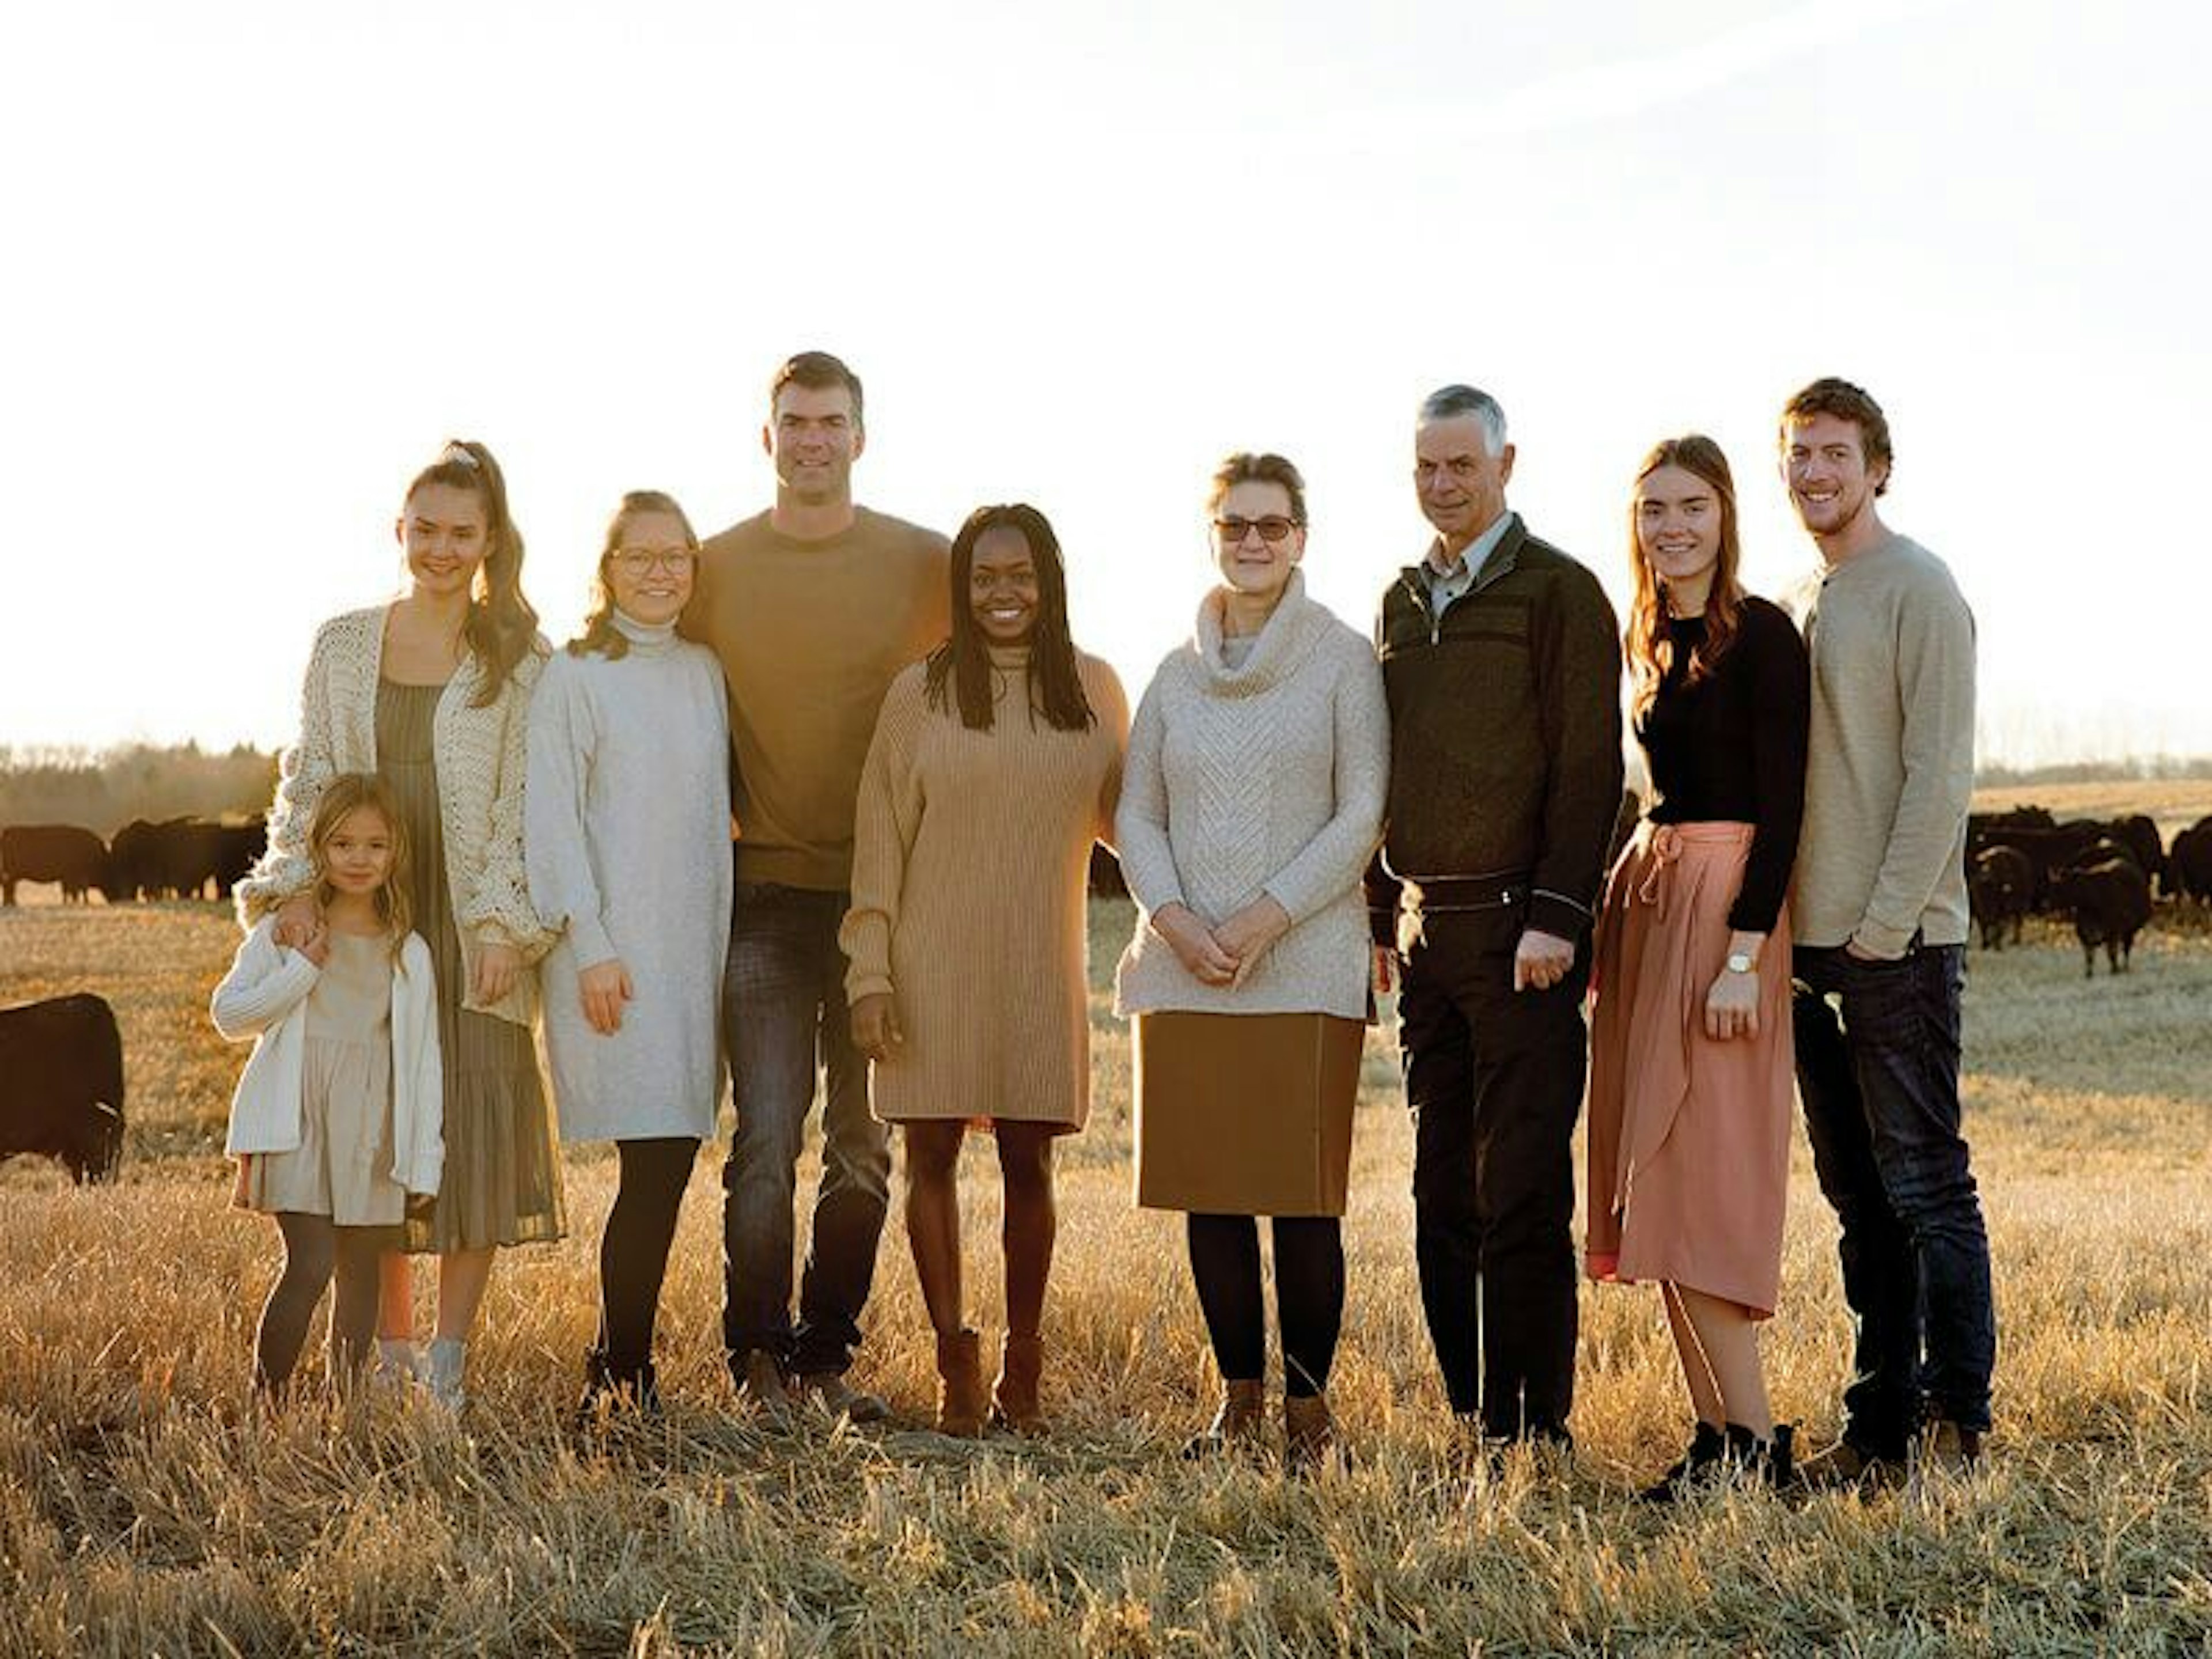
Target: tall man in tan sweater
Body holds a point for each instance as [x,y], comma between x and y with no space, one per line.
[1878,911]
[814,607]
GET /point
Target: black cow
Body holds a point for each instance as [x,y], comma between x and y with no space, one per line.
[2048,848]
[2000,888]
[127,859]
[62,852]
[1105,880]
[2189,862]
[2110,901]
[60,1083]
[237,850]
[183,856]
[2140,836]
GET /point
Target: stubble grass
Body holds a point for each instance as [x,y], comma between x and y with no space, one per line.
[145,1508]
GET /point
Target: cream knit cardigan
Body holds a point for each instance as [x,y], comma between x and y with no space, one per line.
[483,755]
[1268,777]
[265,997]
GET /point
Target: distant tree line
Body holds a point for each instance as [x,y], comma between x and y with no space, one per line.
[104,791]
[2150,768]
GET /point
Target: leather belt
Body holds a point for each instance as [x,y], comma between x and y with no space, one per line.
[1434,896]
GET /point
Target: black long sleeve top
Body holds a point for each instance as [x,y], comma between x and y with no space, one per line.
[1731,747]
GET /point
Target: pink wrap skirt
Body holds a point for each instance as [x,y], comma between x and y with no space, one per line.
[1689,1138]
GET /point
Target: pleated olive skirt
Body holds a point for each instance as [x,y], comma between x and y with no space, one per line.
[502,1177]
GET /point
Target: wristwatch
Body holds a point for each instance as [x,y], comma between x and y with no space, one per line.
[1738,962]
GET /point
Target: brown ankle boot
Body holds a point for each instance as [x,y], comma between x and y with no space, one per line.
[1308,1430]
[1239,1422]
[1014,1395]
[960,1402]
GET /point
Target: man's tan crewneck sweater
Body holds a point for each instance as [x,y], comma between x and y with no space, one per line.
[1890,765]
[810,634]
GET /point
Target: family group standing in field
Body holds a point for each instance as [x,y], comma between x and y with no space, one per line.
[474,836]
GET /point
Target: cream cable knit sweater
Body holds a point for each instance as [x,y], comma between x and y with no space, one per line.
[1265,778]
[483,755]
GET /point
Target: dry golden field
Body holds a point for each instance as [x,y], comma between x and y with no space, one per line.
[144,1510]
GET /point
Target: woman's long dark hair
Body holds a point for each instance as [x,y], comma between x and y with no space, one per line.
[960,669]
[501,626]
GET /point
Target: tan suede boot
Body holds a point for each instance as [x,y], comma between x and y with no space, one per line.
[1238,1423]
[1308,1430]
[961,1403]
[1014,1395]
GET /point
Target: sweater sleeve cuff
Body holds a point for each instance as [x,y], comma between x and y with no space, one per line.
[589,939]
[1753,916]
[1561,917]
[1877,940]
[859,985]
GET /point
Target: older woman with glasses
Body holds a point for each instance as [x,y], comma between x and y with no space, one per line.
[1251,803]
[626,834]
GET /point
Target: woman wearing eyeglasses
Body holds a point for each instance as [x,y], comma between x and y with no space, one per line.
[626,835]
[1252,802]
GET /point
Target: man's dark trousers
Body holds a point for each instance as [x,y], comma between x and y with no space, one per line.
[1878,1070]
[1494,1080]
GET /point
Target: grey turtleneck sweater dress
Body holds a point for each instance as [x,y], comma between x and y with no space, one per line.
[626,833]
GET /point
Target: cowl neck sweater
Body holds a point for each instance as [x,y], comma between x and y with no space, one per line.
[1275,652]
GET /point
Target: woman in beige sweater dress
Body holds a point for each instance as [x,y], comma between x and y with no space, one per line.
[995,764]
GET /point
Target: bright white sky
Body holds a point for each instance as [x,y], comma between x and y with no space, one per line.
[263,259]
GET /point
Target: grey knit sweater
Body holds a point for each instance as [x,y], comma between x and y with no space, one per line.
[1268,777]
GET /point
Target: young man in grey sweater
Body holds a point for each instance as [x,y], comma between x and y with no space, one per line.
[1878,911]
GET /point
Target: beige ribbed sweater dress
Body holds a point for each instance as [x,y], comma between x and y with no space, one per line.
[970,854]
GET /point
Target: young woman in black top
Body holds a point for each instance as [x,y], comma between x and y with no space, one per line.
[1690,1042]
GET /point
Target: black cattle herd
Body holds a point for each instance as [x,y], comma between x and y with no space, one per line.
[2099,874]
[178,858]
[61,1061]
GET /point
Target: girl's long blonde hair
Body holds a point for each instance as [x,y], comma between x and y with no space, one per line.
[351,792]
[1649,652]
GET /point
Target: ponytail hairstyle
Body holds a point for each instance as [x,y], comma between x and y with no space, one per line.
[500,627]
[600,635]
[350,791]
[1651,653]
[960,669]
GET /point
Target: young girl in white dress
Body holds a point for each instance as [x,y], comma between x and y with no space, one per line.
[337,1121]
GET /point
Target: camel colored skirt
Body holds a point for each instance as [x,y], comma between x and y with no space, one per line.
[1689,1138]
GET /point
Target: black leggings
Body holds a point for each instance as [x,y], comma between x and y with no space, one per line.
[634,1251]
[314,1247]
[1224,1261]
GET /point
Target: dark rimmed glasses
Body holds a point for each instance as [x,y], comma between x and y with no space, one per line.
[1274,527]
[641,562]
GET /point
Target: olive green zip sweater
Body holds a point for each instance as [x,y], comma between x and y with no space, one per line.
[1506,757]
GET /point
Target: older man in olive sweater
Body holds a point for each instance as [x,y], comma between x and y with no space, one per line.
[1501,658]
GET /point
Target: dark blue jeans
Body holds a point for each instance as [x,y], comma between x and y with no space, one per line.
[1878,1070]
[783,1010]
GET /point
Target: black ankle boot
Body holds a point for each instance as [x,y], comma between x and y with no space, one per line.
[1706,1447]
[1769,1462]
[610,1388]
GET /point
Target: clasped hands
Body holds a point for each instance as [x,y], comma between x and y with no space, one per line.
[1223,956]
